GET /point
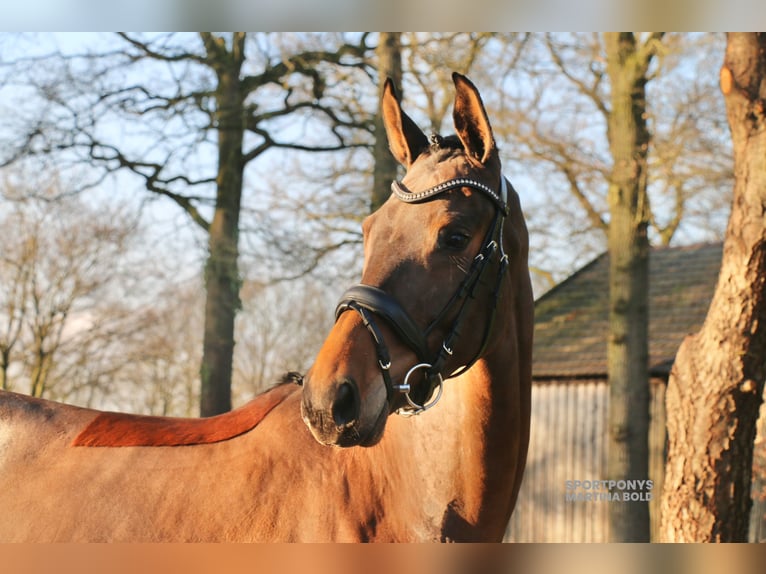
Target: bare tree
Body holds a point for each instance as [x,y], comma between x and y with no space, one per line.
[208,106]
[717,382]
[315,229]
[282,326]
[556,109]
[160,365]
[430,60]
[15,272]
[628,61]
[62,274]
[601,120]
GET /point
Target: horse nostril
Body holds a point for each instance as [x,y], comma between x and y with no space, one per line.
[345,409]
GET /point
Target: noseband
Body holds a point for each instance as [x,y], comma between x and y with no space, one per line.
[369,301]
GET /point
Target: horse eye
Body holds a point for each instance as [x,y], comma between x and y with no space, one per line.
[454,240]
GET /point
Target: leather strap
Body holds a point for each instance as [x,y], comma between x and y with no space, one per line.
[382,304]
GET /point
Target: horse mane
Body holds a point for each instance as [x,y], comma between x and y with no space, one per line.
[110,429]
[449,142]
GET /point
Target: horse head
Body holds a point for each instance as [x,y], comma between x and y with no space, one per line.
[434,267]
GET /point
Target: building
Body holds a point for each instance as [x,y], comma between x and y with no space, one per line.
[570,392]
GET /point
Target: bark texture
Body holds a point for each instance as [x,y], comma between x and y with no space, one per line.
[716,385]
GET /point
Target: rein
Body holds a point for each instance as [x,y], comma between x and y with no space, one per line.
[369,301]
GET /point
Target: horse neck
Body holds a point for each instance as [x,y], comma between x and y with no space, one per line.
[467,453]
[461,454]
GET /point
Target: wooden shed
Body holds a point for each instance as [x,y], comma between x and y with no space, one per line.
[570,394]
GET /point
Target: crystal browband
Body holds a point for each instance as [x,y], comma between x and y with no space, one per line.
[501,200]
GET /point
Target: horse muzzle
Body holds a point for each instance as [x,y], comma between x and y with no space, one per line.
[336,416]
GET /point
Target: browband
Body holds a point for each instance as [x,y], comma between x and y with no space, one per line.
[404,194]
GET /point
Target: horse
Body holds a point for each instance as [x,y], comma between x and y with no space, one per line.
[411,425]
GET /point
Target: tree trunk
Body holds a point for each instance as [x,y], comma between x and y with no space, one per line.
[716,384]
[389,53]
[5,362]
[627,348]
[40,370]
[222,280]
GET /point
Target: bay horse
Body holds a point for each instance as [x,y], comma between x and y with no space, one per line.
[439,330]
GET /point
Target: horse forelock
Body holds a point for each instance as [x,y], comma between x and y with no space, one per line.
[439,141]
[120,429]
[446,148]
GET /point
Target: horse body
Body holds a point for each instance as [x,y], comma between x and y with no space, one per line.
[273,483]
[449,473]
[259,486]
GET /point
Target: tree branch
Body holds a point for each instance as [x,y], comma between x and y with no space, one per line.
[148,52]
[152,180]
[591,91]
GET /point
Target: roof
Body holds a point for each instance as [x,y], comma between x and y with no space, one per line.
[571,319]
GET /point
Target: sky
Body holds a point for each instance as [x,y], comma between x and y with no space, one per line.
[165,215]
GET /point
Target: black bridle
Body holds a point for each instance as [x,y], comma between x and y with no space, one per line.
[369,301]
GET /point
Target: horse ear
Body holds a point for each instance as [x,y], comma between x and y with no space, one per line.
[471,122]
[404,138]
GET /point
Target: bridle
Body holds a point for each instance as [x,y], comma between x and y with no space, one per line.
[369,301]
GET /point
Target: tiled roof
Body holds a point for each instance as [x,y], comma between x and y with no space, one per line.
[571,319]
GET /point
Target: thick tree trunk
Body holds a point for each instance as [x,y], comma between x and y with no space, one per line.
[716,385]
[222,280]
[389,53]
[627,349]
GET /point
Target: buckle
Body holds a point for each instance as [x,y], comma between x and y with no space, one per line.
[414,408]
